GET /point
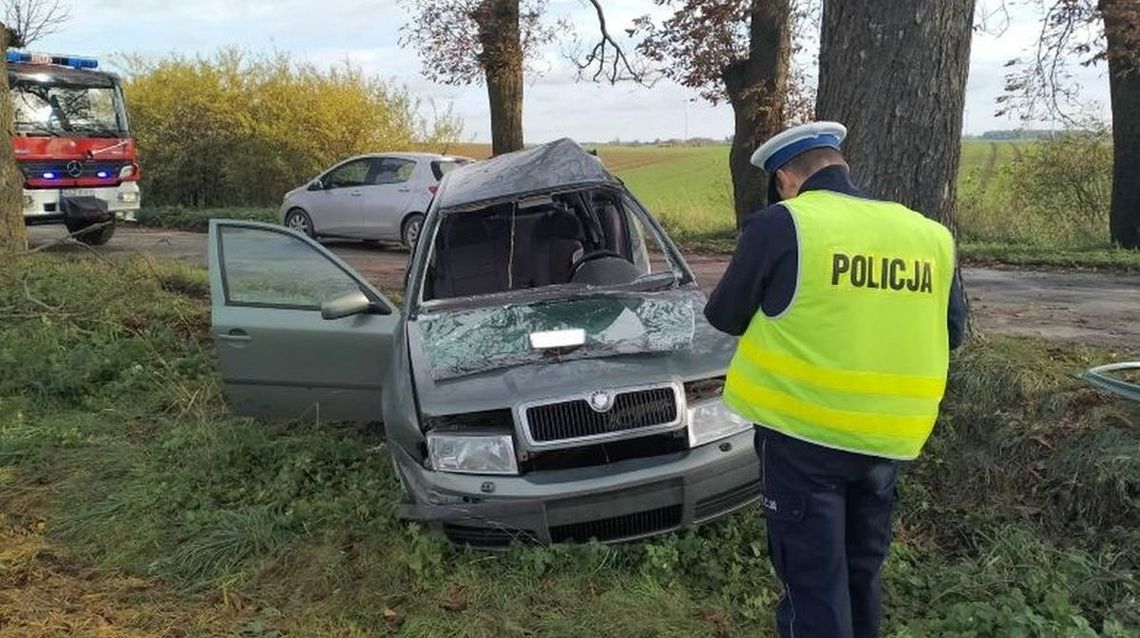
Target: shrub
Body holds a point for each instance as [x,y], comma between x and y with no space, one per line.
[198,219]
[243,130]
[1051,193]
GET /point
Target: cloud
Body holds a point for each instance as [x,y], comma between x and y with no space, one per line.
[366,33]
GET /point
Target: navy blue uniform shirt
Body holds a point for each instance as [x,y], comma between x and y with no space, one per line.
[762,274]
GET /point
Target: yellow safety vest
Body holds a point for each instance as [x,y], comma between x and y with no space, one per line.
[858,361]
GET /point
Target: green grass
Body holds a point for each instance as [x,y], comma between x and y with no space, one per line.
[691,194]
[122,472]
[1077,258]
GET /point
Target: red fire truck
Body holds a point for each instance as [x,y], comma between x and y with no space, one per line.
[73,144]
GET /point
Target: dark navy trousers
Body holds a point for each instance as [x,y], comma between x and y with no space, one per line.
[828,515]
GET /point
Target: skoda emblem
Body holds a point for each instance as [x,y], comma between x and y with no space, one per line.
[74,168]
[601,401]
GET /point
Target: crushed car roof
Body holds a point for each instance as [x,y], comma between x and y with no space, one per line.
[562,163]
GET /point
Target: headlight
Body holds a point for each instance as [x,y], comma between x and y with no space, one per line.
[472,453]
[128,197]
[29,201]
[126,171]
[711,420]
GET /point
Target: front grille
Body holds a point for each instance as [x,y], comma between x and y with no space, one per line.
[619,527]
[35,169]
[727,500]
[642,447]
[575,419]
[487,537]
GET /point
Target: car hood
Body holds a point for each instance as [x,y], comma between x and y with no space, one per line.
[481,359]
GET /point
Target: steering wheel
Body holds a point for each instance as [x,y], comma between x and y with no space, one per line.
[591,256]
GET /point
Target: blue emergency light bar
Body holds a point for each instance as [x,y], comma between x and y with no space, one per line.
[73,61]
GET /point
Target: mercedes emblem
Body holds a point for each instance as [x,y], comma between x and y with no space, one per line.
[74,168]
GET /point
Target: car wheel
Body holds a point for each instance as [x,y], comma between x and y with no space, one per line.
[95,236]
[299,220]
[411,231]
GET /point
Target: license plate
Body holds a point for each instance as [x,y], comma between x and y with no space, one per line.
[79,192]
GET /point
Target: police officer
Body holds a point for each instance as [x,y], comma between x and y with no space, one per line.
[847,307]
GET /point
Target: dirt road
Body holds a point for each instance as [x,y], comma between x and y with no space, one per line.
[1093,308]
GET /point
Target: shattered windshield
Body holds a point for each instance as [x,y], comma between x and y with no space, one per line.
[463,342]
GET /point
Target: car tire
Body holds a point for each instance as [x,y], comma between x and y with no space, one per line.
[94,237]
[298,220]
[410,231]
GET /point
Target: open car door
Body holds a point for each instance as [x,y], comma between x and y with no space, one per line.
[298,333]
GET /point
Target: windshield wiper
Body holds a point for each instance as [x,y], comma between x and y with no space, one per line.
[656,281]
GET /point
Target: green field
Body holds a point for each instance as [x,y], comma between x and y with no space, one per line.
[133,504]
[691,191]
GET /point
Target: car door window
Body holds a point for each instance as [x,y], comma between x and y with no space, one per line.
[393,171]
[354,173]
[645,247]
[269,268]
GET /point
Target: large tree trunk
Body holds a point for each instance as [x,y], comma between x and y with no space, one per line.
[894,71]
[13,234]
[756,88]
[1124,85]
[502,62]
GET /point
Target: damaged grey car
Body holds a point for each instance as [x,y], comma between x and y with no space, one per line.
[549,378]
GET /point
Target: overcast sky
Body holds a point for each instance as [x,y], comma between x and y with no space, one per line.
[366,33]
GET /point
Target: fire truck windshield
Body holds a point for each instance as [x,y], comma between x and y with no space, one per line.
[68,110]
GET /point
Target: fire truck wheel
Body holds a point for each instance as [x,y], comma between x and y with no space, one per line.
[96,236]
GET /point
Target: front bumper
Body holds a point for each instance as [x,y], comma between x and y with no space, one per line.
[616,502]
[41,205]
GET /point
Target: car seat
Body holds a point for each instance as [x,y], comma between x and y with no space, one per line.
[471,258]
[556,242]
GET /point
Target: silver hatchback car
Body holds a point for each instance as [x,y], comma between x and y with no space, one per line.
[372,197]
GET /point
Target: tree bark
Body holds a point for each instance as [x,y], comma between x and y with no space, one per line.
[502,62]
[1124,89]
[894,71]
[13,234]
[756,88]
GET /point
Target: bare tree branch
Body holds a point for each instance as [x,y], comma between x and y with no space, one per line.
[1072,33]
[32,20]
[992,17]
[608,60]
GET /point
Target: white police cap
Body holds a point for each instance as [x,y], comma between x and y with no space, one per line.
[788,144]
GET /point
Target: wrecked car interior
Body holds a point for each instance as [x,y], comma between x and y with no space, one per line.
[585,238]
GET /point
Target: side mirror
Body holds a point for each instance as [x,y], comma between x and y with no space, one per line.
[353,303]
[317,185]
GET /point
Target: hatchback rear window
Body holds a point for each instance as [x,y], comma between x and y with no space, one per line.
[439,168]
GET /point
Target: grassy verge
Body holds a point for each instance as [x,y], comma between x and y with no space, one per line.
[197,220]
[133,503]
[1088,258]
